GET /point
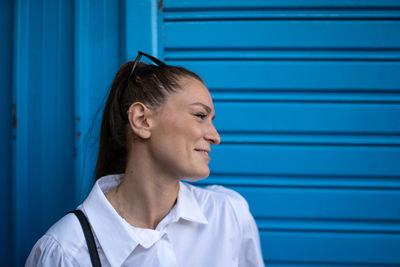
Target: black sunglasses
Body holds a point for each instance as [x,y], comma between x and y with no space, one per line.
[139,56]
[137,60]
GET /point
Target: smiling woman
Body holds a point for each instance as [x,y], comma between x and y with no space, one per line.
[157,130]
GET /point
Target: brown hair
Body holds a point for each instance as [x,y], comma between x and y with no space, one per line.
[149,85]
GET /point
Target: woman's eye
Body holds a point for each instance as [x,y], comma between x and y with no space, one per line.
[201,116]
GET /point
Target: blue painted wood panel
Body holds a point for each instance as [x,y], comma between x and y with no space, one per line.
[43,168]
[307,105]
[61,58]
[98,35]
[6,48]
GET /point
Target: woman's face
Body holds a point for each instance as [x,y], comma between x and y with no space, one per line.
[183,132]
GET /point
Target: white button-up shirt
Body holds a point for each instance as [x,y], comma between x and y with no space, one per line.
[207,227]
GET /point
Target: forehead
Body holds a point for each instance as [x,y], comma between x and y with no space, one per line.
[192,91]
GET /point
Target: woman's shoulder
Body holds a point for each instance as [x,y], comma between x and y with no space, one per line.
[221,196]
[63,240]
[68,232]
[216,192]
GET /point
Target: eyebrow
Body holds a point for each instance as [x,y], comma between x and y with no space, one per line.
[207,108]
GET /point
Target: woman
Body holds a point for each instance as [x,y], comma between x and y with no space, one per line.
[157,129]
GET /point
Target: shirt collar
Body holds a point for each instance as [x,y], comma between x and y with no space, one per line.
[117,237]
[187,206]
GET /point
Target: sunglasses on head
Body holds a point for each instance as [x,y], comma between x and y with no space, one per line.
[137,60]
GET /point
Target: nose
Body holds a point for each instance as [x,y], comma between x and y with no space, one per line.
[212,135]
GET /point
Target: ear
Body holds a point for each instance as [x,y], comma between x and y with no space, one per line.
[139,117]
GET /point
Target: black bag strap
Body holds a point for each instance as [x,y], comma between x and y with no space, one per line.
[87,231]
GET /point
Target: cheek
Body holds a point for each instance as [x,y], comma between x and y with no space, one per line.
[170,137]
[174,148]
[184,129]
[175,140]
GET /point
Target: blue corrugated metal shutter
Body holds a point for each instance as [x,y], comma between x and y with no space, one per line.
[307,104]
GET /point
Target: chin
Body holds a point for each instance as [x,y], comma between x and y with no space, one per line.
[197,177]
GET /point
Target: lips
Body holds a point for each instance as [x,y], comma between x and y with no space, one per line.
[204,152]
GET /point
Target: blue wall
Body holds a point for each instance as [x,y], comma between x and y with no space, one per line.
[307,97]
[6,23]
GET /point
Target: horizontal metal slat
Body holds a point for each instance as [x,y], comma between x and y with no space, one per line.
[303,181]
[308,118]
[306,160]
[330,249]
[286,263]
[305,96]
[328,226]
[195,15]
[280,54]
[323,204]
[297,75]
[295,34]
[281,4]
[309,139]
[328,204]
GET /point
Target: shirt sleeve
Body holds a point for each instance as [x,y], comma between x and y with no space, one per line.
[250,249]
[47,252]
[250,252]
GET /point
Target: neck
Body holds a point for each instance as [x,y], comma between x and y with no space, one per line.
[145,195]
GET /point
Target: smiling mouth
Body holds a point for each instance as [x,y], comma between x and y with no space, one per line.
[203,152]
